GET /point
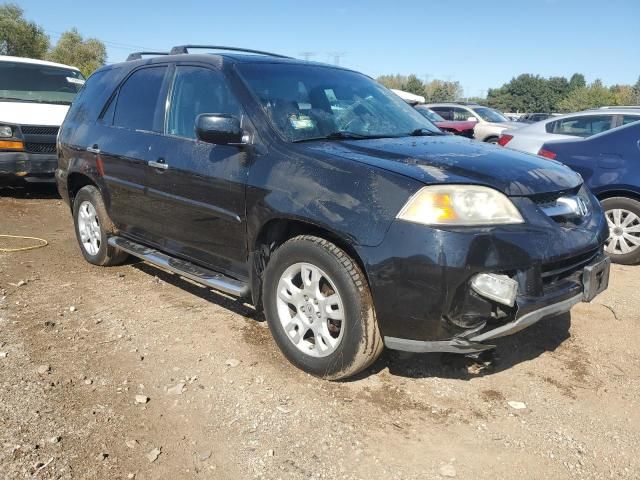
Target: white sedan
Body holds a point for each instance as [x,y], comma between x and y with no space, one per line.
[530,138]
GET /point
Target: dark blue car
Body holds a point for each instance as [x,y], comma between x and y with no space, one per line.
[610,165]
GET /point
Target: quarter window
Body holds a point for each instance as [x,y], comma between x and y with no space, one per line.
[140,101]
[195,91]
[583,126]
[630,119]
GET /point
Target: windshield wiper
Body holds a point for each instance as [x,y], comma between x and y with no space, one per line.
[343,136]
[424,132]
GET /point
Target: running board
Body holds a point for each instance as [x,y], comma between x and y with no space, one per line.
[204,276]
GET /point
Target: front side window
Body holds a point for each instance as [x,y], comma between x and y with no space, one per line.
[582,126]
[140,102]
[197,90]
[26,82]
[490,115]
[306,102]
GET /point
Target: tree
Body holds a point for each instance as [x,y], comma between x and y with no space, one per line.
[593,96]
[442,91]
[71,49]
[19,37]
[577,81]
[413,85]
[392,81]
[635,94]
[622,94]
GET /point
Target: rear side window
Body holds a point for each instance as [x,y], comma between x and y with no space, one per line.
[461,115]
[630,119]
[197,90]
[89,102]
[140,102]
[583,126]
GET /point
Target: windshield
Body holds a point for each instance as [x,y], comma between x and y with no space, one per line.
[309,102]
[28,82]
[490,115]
[430,114]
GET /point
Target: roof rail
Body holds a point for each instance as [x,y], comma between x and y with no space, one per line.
[180,49]
[138,55]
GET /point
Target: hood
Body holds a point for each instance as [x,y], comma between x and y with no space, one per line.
[451,159]
[28,113]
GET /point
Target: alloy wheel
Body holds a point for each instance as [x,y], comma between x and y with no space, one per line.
[310,309]
[89,228]
[624,231]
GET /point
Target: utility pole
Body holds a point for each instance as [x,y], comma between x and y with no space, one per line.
[308,55]
[337,56]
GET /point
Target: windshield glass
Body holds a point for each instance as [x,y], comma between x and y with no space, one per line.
[490,115]
[38,83]
[308,102]
[430,114]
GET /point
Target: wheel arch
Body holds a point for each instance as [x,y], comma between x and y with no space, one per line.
[603,195]
[76,181]
[274,233]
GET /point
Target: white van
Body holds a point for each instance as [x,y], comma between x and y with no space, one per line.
[34,98]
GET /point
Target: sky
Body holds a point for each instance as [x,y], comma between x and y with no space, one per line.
[481,44]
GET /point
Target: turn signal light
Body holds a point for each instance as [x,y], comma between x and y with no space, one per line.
[547,154]
[11,145]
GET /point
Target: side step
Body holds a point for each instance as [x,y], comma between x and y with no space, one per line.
[206,277]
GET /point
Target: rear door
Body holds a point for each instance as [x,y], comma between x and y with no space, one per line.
[129,138]
[203,186]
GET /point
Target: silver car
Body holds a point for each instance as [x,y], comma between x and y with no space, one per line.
[530,138]
[490,123]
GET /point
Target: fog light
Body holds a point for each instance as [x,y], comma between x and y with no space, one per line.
[496,287]
[6,131]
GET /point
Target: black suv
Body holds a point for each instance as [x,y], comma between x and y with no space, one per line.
[322,198]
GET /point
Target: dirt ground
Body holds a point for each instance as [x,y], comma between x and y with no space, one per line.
[82,346]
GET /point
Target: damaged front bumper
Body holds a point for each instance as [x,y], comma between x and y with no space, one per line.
[582,286]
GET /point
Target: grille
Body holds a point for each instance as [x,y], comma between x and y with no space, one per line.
[40,147]
[34,130]
[553,271]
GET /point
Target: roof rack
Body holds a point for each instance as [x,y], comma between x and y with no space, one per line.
[180,49]
[138,55]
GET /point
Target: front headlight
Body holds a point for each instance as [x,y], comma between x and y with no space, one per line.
[460,205]
[6,131]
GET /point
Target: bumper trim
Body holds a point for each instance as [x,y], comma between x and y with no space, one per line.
[472,345]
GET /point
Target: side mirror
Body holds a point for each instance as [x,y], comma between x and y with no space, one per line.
[218,128]
[472,119]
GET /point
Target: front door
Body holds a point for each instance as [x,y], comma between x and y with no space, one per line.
[203,186]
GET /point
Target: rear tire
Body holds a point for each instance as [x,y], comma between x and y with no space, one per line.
[319,308]
[93,228]
[492,140]
[623,217]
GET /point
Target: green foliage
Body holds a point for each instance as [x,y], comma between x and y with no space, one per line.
[20,37]
[433,91]
[577,81]
[635,94]
[72,49]
[529,93]
[592,96]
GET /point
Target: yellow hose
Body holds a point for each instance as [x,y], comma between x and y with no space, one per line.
[43,243]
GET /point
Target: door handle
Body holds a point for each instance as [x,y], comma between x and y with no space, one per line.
[93,149]
[159,164]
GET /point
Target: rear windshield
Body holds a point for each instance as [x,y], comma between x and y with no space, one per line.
[25,82]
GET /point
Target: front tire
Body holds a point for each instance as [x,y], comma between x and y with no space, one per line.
[319,308]
[623,217]
[93,228]
[492,140]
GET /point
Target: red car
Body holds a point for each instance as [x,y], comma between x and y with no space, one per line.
[464,128]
